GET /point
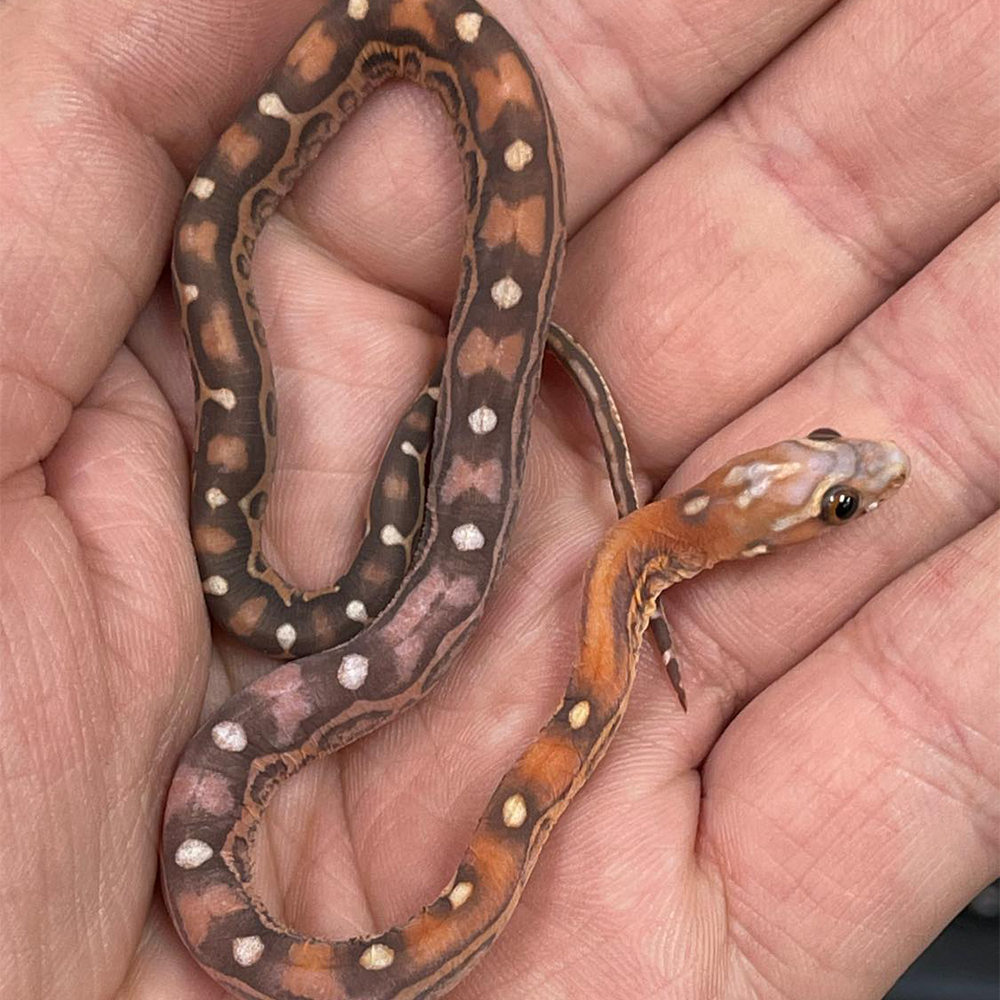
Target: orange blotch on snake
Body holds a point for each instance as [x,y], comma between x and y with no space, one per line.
[309,973]
[375,573]
[521,222]
[212,541]
[200,239]
[227,452]
[312,55]
[485,478]
[289,701]
[197,910]
[218,339]
[395,487]
[323,625]
[548,767]
[480,353]
[430,598]
[195,789]
[497,863]
[430,603]
[239,147]
[413,14]
[428,936]
[243,621]
[598,671]
[418,421]
[311,955]
[508,82]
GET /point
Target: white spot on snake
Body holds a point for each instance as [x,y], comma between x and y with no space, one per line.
[356,611]
[434,392]
[202,187]
[352,671]
[518,155]
[468,538]
[247,950]
[460,894]
[377,956]
[357,9]
[286,636]
[515,811]
[229,735]
[407,448]
[215,498]
[735,475]
[756,550]
[758,478]
[790,520]
[579,714]
[226,398]
[389,535]
[483,420]
[192,854]
[189,293]
[506,292]
[270,104]
[696,505]
[468,25]
[217,586]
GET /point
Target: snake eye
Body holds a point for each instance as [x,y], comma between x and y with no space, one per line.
[840,504]
[824,434]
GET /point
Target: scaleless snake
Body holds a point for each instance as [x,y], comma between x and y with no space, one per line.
[375,643]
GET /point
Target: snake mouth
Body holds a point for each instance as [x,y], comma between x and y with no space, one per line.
[890,487]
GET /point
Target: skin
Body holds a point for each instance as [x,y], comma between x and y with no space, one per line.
[829,800]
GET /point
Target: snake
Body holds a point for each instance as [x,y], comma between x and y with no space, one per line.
[441,512]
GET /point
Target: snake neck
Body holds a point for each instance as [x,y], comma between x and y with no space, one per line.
[642,555]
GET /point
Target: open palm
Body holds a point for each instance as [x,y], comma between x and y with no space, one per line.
[818,248]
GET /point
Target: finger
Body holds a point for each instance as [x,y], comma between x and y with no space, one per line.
[786,218]
[864,783]
[87,202]
[104,641]
[896,376]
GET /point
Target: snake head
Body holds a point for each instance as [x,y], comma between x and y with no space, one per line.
[792,491]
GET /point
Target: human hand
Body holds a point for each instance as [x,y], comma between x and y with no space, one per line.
[810,846]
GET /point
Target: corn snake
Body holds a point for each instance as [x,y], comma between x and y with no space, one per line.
[362,661]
